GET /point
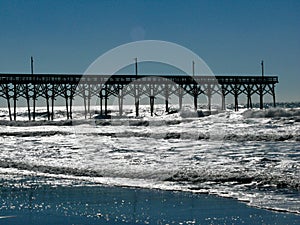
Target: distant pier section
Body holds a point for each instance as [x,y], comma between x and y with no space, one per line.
[49,87]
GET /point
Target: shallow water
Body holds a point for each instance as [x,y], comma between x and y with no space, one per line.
[110,205]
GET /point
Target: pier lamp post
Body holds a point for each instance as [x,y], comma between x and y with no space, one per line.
[136,67]
[261,94]
[136,90]
[193,64]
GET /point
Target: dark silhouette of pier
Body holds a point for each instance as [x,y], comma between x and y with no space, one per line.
[68,86]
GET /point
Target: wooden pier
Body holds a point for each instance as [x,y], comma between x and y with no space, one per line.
[68,86]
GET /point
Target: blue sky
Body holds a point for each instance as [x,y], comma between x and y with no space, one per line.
[231,36]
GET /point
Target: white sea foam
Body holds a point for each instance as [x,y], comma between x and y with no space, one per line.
[250,155]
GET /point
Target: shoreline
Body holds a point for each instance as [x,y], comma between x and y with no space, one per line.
[46,204]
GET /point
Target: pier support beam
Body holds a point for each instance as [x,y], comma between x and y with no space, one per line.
[209,97]
[66,101]
[89,100]
[67,107]
[71,103]
[52,102]
[261,97]
[180,97]
[236,102]
[105,103]
[167,98]
[84,101]
[28,102]
[34,101]
[136,100]
[137,105]
[15,102]
[223,95]
[120,101]
[273,94]
[47,101]
[195,101]
[223,107]
[101,103]
[151,105]
[249,100]
[8,101]
[195,94]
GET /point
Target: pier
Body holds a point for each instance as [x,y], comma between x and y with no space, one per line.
[49,87]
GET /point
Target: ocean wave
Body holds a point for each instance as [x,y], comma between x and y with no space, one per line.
[198,179]
[184,135]
[33,133]
[272,113]
[238,178]
[261,137]
[49,169]
[37,123]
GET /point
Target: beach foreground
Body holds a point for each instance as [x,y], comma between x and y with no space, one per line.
[115,205]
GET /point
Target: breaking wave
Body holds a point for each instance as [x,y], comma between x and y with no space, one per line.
[273,113]
[251,155]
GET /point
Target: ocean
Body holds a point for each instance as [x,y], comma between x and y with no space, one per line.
[252,155]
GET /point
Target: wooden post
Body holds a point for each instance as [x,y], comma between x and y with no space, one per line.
[136,100]
[28,102]
[152,104]
[180,96]
[66,98]
[195,92]
[34,99]
[89,101]
[101,103]
[105,102]
[261,94]
[8,102]
[195,101]
[137,106]
[248,101]
[52,102]
[209,96]
[236,103]
[120,98]
[223,102]
[84,101]
[71,103]
[47,101]
[223,94]
[167,97]
[248,96]
[273,93]
[136,94]
[15,101]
